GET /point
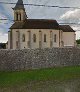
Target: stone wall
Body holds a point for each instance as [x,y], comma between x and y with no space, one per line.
[38,58]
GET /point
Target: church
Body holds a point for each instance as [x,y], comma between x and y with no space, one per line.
[38,33]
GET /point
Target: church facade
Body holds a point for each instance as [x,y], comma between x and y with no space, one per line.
[37,33]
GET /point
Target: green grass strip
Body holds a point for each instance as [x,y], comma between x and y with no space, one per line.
[21,77]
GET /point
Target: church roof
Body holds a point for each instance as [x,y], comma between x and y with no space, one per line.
[19,5]
[36,24]
[66,28]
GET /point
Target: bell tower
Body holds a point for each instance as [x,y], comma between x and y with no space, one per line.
[19,12]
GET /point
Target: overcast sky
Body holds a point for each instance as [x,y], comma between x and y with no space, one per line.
[61,15]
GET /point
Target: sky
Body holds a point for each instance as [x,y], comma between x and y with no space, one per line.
[61,15]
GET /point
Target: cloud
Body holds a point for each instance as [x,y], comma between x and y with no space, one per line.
[2,22]
[3,38]
[71,14]
[76,27]
[2,15]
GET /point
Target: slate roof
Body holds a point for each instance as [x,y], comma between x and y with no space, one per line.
[19,5]
[36,24]
[66,28]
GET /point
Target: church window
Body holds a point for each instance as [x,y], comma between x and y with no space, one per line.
[20,16]
[40,39]
[17,16]
[23,37]
[55,38]
[34,38]
[51,40]
[29,39]
[29,35]
[44,37]
[40,35]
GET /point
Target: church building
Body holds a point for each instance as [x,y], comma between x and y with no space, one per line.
[37,33]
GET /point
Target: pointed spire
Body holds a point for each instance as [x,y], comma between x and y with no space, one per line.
[19,5]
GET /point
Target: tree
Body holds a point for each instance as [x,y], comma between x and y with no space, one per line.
[78,41]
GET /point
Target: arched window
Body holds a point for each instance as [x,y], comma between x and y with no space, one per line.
[55,38]
[51,39]
[16,16]
[44,37]
[20,16]
[23,37]
[40,39]
[40,35]
[34,38]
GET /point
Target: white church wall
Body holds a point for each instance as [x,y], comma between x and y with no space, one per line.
[69,38]
[14,38]
[17,38]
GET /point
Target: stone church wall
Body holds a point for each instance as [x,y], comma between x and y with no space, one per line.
[11,60]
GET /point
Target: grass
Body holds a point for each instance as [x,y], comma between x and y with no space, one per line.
[22,77]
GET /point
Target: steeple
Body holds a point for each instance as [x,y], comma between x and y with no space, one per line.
[19,5]
[19,12]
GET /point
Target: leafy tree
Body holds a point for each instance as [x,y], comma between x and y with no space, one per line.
[78,41]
